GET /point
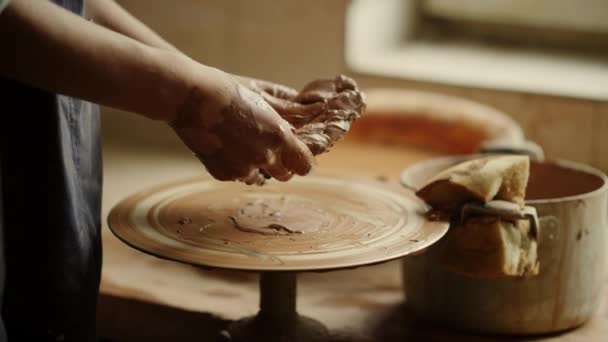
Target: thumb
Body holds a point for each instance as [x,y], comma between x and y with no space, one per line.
[295,113]
[295,156]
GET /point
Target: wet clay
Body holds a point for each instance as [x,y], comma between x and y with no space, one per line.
[303,219]
[283,215]
[342,104]
[320,115]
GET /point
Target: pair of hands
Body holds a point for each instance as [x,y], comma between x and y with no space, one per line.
[243,129]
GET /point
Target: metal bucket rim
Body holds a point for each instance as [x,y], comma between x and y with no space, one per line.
[577,166]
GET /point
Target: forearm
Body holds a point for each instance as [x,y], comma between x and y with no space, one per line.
[110,14]
[53,49]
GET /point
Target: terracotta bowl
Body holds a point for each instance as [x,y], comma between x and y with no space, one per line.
[571,200]
[434,122]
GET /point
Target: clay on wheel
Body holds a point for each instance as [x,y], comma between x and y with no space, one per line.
[310,223]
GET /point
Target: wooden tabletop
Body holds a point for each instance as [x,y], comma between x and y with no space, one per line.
[146,298]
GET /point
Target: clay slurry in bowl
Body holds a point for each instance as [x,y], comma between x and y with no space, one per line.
[552,180]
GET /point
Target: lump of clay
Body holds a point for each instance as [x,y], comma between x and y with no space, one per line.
[280,216]
[491,247]
[479,180]
[341,103]
[320,114]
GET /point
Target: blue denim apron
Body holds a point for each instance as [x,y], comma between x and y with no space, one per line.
[50,206]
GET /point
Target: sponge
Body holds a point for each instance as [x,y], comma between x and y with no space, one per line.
[479,180]
[489,246]
[492,233]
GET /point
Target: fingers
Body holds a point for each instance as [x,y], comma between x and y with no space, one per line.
[295,156]
[348,100]
[270,88]
[324,89]
[277,90]
[256,136]
[292,157]
[295,113]
[345,83]
[313,96]
[224,170]
[254,178]
[279,172]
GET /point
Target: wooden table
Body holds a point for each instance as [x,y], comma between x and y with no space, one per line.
[145,298]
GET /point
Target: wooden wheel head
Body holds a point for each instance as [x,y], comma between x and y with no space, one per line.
[309,224]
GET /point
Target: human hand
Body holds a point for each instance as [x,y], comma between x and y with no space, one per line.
[236,134]
[283,99]
[321,112]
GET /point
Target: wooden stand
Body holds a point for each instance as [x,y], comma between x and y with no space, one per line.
[173,222]
[277,319]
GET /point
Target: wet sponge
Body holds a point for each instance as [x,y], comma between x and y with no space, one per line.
[491,247]
[479,180]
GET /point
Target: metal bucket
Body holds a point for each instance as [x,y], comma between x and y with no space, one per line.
[571,200]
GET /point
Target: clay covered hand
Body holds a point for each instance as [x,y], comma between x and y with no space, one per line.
[235,133]
[321,112]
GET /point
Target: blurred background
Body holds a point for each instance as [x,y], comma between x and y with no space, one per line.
[543,62]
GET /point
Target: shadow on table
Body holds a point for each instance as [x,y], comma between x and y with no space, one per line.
[401,325]
[125,320]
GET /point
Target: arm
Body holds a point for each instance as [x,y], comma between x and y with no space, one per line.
[208,109]
[42,43]
[110,14]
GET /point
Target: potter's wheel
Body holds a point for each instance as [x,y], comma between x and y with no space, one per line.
[308,224]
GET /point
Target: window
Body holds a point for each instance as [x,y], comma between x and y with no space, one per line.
[557,47]
[575,25]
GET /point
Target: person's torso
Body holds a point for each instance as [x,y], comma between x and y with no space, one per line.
[75,6]
[51,180]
